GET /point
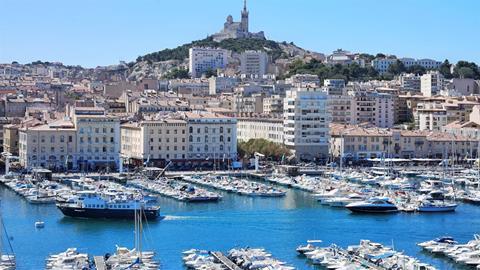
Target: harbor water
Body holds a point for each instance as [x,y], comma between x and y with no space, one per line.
[276,224]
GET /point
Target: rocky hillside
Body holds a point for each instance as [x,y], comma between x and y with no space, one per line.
[160,64]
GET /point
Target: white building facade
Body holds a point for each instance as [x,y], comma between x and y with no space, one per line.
[254,63]
[306,123]
[202,60]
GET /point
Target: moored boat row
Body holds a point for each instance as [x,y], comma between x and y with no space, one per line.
[236,185]
[365,255]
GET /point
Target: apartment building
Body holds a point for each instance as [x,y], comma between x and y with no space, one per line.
[202,60]
[306,120]
[375,108]
[434,114]
[218,85]
[410,82]
[248,104]
[270,129]
[342,109]
[384,110]
[431,83]
[363,142]
[303,80]
[10,138]
[210,137]
[50,146]
[430,116]
[382,64]
[273,104]
[158,140]
[334,86]
[253,63]
[97,140]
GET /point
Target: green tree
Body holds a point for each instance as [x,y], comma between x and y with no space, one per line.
[416,69]
[464,69]
[445,69]
[269,149]
[177,73]
[397,68]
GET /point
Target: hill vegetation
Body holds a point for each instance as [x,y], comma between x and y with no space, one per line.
[236,45]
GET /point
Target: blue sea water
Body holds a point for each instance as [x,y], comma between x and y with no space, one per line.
[277,224]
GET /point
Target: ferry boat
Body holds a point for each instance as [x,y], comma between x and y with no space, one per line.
[91,204]
[373,205]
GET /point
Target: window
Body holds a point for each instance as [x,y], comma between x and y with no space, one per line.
[221,138]
[221,129]
[190,138]
[190,130]
[70,138]
[62,138]
[206,129]
[111,139]
[206,148]
[111,130]
[221,147]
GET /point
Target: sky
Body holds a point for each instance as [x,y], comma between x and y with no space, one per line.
[102,32]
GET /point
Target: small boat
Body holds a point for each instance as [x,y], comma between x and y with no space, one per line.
[436,206]
[39,224]
[443,239]
[307,248]
[373,205]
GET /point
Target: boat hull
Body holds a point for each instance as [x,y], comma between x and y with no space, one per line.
[372,209]
[437,209]
[70,211]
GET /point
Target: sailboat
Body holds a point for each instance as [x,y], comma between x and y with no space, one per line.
[7,259]
[124,258]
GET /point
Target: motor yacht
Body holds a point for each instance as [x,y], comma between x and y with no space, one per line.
[373,205]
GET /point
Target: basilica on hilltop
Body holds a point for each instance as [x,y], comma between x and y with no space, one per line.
[233,29]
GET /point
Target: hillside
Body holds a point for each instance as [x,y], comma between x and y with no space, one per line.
[162,63]
[235,45]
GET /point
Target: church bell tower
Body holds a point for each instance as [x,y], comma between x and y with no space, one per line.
[244,21]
